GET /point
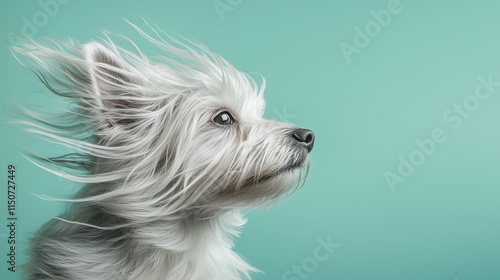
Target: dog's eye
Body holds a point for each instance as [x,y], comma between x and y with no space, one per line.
[223,118]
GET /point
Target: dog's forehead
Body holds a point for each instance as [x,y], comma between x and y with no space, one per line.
[242,100]
[234,91]
[209,81]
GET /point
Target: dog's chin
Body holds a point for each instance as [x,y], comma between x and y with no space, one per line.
[265,189]
[291,174]
[284,177]
[291,171]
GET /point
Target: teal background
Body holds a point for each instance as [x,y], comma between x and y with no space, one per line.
[442,222]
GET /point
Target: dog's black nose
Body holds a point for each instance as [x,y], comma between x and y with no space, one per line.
[304,136]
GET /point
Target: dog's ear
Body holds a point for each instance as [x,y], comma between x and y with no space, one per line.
[111,84]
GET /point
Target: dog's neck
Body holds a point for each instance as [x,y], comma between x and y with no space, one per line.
[194,244]
[197,248]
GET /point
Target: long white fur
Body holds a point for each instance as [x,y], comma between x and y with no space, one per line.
[164,184]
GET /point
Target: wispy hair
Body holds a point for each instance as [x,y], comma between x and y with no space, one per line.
[163,184]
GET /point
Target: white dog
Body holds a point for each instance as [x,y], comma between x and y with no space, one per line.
[172,148]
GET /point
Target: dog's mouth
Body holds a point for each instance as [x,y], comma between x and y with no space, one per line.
[256,180]
[270,182]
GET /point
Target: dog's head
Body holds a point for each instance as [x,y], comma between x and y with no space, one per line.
[176,133]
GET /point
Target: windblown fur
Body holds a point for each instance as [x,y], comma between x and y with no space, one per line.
[165,174]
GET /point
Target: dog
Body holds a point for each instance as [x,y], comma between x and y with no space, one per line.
[170,149]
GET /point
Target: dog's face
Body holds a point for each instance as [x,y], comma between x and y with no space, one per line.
[181,133]
[204,127]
